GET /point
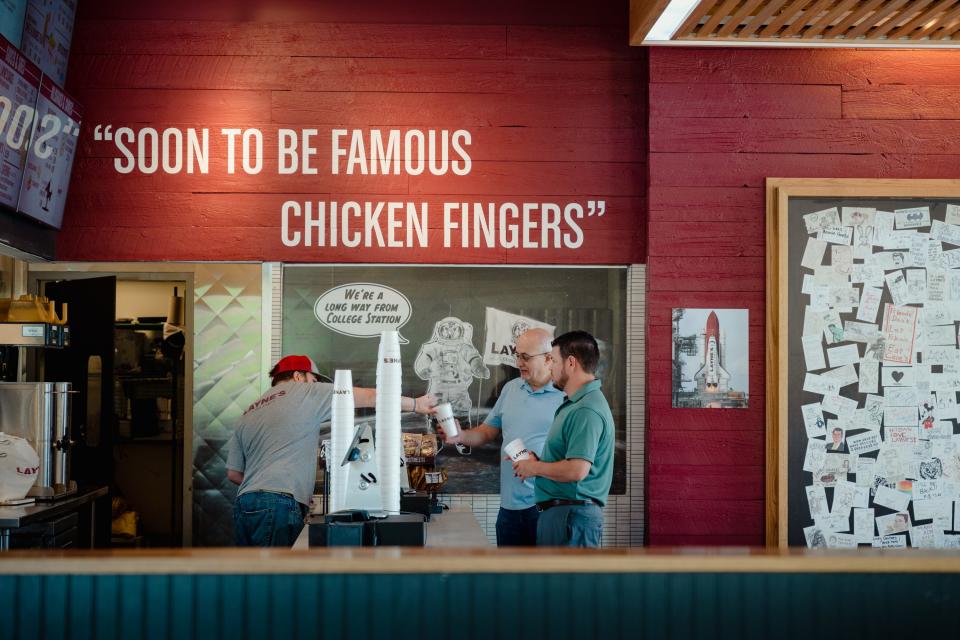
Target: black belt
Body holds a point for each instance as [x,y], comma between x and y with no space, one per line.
[557,502]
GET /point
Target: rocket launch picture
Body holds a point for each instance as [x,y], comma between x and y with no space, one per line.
[712,377]
[710,358]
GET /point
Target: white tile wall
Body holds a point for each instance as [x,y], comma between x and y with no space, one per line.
[276,312]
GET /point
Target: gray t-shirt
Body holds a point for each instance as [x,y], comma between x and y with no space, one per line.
[276,440]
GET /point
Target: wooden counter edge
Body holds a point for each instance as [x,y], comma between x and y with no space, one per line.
[408,561]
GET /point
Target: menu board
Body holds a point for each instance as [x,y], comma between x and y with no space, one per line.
[47,32]
[46,177]
[20,84]
[12,14]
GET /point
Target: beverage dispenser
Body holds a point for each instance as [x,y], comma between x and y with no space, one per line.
[39,412]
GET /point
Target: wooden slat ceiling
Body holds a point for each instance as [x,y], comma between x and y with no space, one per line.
[868,22]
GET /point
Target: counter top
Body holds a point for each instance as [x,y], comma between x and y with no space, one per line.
[16,517]
[455,527]
[408,560]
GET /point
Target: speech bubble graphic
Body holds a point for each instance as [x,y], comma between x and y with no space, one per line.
[363,310]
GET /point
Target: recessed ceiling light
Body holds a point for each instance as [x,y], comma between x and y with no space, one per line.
[670,20]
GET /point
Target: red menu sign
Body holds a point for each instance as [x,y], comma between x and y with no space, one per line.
[50,157]
[47,32]
[19,86]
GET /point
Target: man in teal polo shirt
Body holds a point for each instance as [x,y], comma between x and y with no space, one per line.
[574,473]
[523,410]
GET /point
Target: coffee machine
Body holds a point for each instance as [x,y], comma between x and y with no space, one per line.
[38,412]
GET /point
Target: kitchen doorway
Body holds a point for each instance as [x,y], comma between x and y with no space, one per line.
[135,402]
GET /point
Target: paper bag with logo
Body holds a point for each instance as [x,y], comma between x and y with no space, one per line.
[19,465]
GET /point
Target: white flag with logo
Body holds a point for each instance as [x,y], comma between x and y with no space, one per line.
[503,329]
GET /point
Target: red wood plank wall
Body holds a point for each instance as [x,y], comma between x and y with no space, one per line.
[720,122]
[557,105]
[552,93]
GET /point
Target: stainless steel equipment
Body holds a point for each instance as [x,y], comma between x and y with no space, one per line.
[40,413]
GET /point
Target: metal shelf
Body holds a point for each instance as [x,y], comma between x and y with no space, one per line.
[159,439]
[34,334]
[139,326]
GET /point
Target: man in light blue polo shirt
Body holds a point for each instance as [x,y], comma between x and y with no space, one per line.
[524,410]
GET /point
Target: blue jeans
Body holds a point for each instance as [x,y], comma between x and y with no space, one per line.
[571,526]
[517,528]
[266,519]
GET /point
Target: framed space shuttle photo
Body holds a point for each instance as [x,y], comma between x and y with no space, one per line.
[710,358]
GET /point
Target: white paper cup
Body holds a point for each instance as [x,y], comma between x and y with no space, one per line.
[446,420]
[343,380]
[516,450]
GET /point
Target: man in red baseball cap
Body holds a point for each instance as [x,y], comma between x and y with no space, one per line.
[273,451]
[289,364]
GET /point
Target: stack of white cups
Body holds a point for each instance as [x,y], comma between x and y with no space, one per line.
[388,438]
[341,435]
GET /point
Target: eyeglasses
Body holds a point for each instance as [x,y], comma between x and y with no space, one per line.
[526,357]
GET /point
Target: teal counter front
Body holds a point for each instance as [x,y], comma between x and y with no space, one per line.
[484,593]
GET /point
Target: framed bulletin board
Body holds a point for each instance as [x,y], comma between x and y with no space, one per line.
[863,366]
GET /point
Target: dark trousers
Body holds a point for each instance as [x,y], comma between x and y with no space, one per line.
[266,519]
[517,528]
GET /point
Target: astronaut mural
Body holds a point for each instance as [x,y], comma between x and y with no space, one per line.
[450,362]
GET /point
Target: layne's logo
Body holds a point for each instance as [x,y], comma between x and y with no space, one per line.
[342,392]
[516,330]
[263,401]
[504,350]
[28,471]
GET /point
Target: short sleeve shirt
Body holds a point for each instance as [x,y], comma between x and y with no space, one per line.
[582,428]
[277,438]
[525,413]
